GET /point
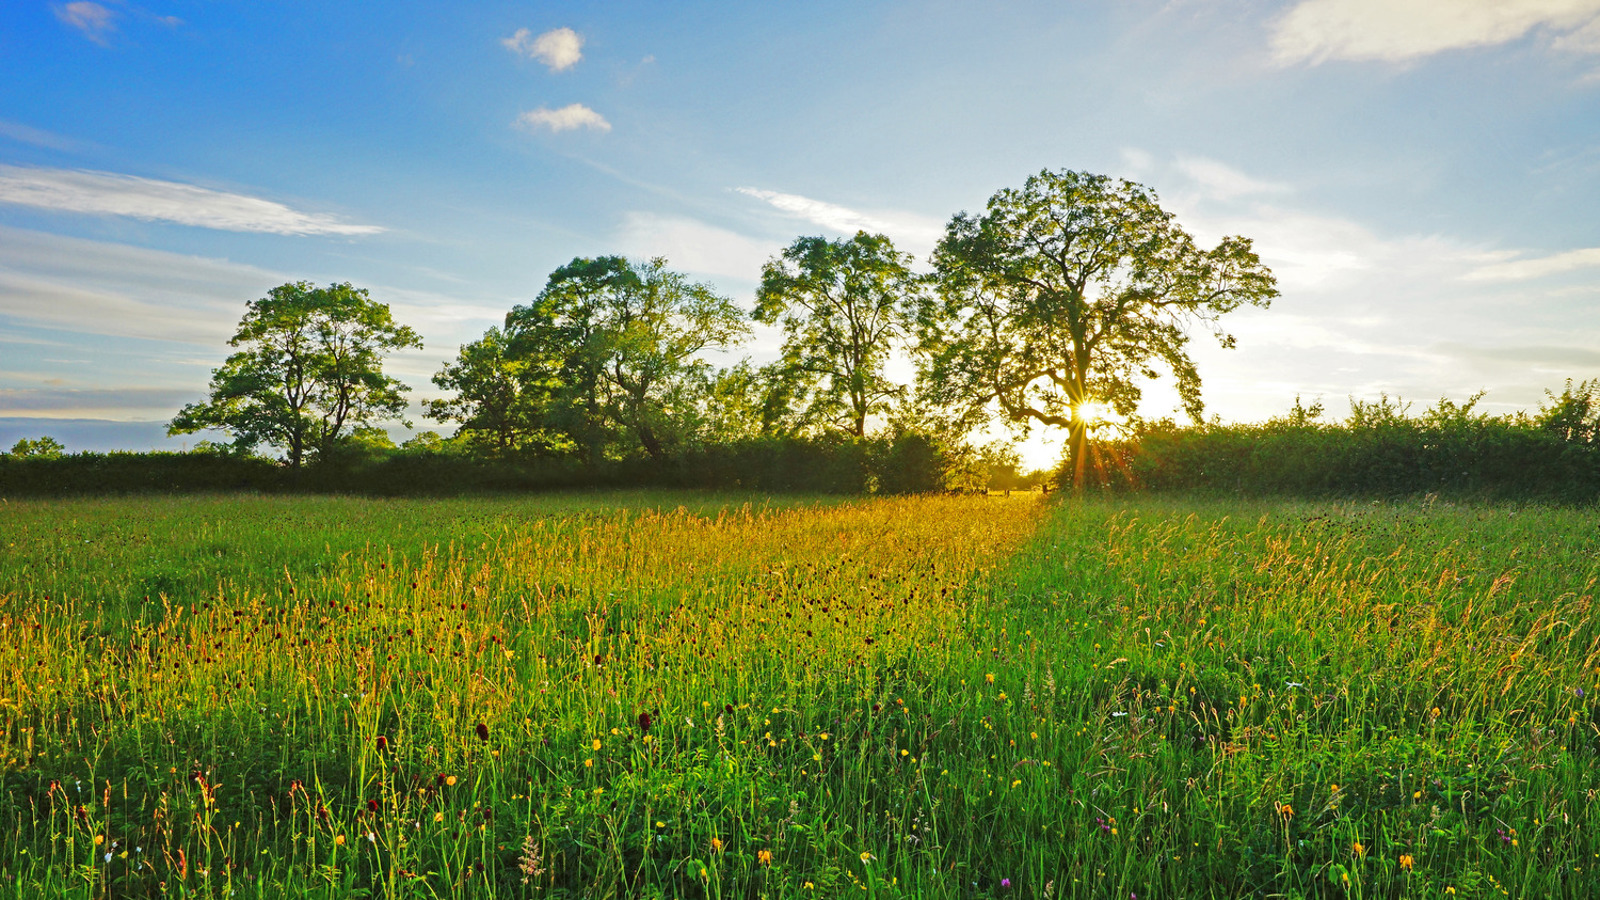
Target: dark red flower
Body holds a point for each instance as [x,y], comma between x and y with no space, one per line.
[383,743]
[483,732]
[644,722]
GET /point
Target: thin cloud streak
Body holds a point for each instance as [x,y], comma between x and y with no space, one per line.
[1317,31]
[695,246]
[111,194]
[1526,269]
[917,233]
[95,22]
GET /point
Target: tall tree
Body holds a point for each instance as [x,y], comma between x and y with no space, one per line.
[842,305]
[628,337]
[1066,293]
[311,367]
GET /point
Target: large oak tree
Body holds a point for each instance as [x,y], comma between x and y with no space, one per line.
[1068,292]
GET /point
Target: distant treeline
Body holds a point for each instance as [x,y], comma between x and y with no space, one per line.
[367,464]
[1381,450]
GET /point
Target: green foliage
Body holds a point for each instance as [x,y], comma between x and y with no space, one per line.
[312,368]
[616,345]
[37,448]
[1067,292]
[504,388]
[1380,450]
[843,305]
[1574,414]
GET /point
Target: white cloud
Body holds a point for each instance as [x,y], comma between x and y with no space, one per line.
[92,287]
[830,216]
[917,233]
[1224,182]
[559,48]
[1316,31]
[566,118]
[695,246]
[111,194]
[1511,269]
[95,21]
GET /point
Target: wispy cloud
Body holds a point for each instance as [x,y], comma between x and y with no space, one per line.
[1316,31]
[918,233]
[96,22]
[567,118]
[694,246]
[1224,182]
[38,137]
[818,212]
[559,48]
[1510,269]
[111,194]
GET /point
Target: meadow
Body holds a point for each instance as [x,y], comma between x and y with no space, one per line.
[715,695]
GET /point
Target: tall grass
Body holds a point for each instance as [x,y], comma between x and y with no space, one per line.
[916,697]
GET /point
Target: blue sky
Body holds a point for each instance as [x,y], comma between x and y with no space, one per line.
[1422,175]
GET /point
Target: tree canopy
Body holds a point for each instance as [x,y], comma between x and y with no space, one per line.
[604,362]
[1068,292]
[842,304]
[311,368]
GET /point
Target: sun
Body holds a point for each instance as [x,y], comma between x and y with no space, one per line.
[1094,411]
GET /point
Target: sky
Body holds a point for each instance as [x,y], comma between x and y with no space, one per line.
[1421,175]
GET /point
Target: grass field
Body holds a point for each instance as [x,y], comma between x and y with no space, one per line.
[688,695]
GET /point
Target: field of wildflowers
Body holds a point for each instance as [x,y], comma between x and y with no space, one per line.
[686,695]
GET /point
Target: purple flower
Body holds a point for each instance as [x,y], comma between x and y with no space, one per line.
[1005,882]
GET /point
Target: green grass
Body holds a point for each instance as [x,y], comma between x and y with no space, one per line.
[694,695]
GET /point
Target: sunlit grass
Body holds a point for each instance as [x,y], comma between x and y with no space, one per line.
[670,695]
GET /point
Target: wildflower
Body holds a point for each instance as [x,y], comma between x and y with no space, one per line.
[989,678]
[1406,861]
[483,732]
[866,857]
[716,844]
[450,781]
[595,743]
[644,722]
[1005,882]
[764,857]
[339,839]
[1285,810]
[529,862]
[1358,849]
[382,743]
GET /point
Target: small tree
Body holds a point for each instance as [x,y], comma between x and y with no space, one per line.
[503,392]
[1573,415]
[1066,293]
[38,448]
[842,305]
[311,368]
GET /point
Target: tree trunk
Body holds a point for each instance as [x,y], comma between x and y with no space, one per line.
[1078,451]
